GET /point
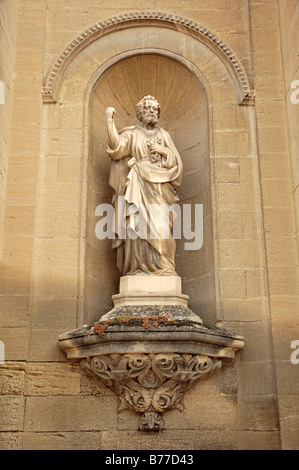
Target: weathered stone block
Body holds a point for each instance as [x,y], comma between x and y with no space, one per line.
[251,383]
[235,143]
[12,379]
[11,412]
[60,441]
[287,376]
[230,224]
[258,440]
[233,283]
[52,379]
[54,313]
[9,440]
[217,412]
[15,343]
[240,254]
[257,413]
[70,413]
[245,309]
[170,440]
[43,345]
[18,306]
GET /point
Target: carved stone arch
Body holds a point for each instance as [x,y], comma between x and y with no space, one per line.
[136,19]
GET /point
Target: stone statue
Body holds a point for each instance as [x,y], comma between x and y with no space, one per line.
[146,169]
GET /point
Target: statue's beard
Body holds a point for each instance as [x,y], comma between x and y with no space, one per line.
[150,119]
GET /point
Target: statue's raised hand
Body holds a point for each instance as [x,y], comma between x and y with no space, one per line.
[110,112]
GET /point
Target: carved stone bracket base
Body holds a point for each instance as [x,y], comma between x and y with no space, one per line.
[150,383]
[150,361]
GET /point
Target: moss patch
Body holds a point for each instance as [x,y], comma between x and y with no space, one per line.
[147,322]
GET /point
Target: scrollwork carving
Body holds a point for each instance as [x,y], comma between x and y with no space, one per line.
[151,422]
[150,383]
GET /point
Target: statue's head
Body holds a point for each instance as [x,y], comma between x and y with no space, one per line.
[148,110]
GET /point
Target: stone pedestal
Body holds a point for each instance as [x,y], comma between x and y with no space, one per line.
[150,290]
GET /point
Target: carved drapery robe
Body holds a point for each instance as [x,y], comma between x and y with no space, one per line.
[150,180]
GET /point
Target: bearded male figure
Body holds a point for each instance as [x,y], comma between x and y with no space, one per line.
[146,169]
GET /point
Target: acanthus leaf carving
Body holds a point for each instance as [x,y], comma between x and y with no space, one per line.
[150,383]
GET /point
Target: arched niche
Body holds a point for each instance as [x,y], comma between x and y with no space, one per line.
[185,115]
[114,63]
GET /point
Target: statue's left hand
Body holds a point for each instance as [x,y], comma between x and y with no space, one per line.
[157,148]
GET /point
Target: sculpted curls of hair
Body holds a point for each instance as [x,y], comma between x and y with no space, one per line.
[139,106]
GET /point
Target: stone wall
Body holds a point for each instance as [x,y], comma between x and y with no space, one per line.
[288,383]
[7,56]
[247,277]
[288,18]
[277,190]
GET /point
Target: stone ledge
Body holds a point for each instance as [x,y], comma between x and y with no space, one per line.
[125,333]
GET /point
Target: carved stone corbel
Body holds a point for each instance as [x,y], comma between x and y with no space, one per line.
[150,383]
[150,369]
